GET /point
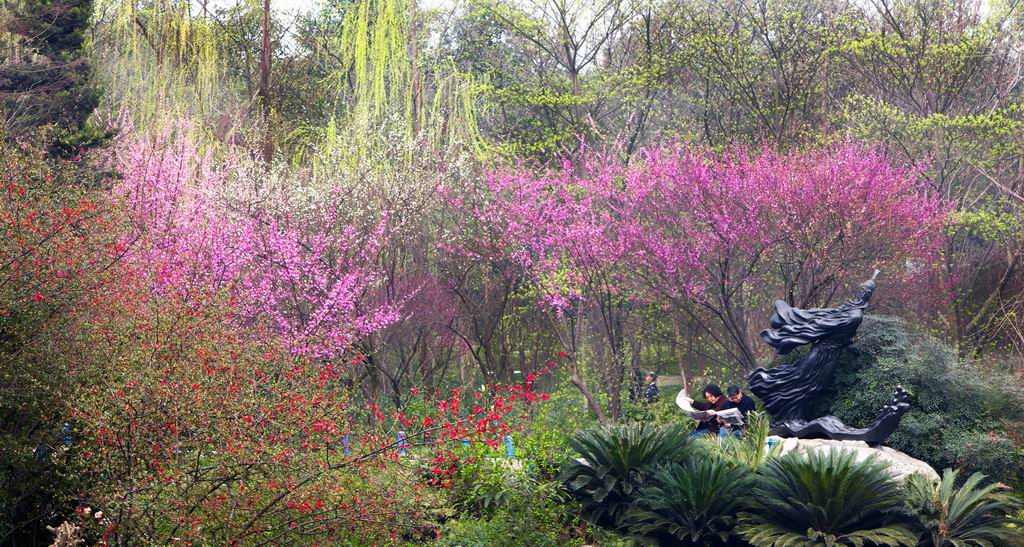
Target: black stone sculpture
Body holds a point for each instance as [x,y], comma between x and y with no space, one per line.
[788,390]
[830,427]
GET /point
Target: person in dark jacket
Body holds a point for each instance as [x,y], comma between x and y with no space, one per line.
[741,401]
[714,401]
[651,393]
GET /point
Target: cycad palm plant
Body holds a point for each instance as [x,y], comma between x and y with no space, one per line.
[971,515]
[693,503]
[615,462]
[825,498]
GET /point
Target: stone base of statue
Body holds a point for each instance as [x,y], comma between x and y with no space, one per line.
[900,464]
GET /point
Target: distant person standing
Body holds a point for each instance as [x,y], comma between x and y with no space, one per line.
[651,393]
[741,401]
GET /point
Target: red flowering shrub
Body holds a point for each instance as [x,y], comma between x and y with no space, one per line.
[206,361]
[57,245]
[196,431]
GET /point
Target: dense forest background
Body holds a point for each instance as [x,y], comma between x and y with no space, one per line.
[229,224]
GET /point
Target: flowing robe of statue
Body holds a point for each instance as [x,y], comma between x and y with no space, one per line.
[788,390]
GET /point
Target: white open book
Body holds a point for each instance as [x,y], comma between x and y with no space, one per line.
[731,415]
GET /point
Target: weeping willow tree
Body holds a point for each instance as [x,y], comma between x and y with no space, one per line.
[159,60]
[391,99]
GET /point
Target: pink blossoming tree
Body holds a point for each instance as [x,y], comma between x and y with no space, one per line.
[711,237]
[204,223]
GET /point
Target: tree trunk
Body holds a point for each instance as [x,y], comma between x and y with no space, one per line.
[677,346]
[264,87]
[581,385]
[417,100]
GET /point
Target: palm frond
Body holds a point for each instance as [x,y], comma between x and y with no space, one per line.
[751,450]
[825,498]
[973,514]
[615,462]
[695,502]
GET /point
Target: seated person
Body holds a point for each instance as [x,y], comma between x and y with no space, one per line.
[741,401]
[715,401]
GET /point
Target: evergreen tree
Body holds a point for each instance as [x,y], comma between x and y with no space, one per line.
[45,74]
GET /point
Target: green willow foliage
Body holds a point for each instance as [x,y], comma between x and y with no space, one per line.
[160,60]
[168,60]
[389,95]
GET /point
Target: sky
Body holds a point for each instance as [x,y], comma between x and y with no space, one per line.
[294,6]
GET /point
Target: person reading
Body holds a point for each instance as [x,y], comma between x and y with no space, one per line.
[708,412]
[740,400]
[743,404]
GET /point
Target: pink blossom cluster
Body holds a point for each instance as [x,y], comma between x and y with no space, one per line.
[201,223]
[680,222]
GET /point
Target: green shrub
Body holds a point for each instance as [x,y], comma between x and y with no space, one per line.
[486,481]
[990,454]
[955,413]
[508,529]
[695,502]
[974,515]
[824,499]
[499,504]
[544,441]
[1004,396]
[661,411]
[503,528]
[750,450]
[482,489]
[488,490]
[615,462]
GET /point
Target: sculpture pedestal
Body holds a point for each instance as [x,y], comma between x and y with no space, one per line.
[900,464]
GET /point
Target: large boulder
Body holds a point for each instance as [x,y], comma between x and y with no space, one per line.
[900,464]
